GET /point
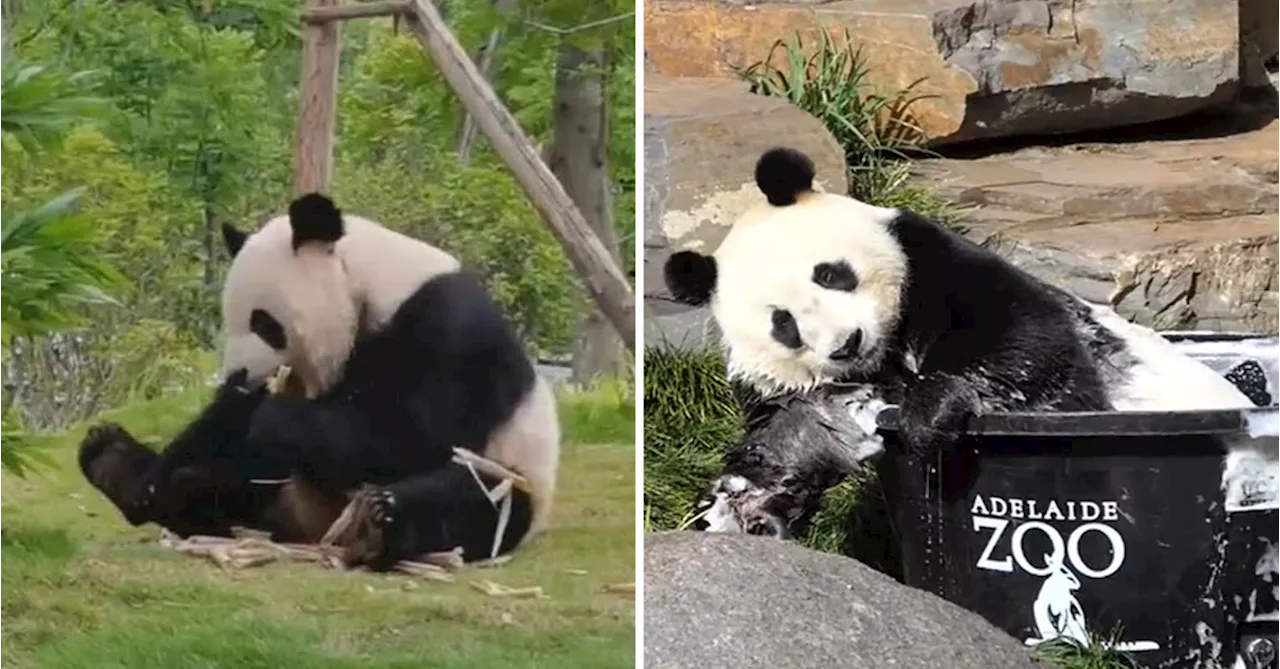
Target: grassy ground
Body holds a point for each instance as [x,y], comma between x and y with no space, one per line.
[83,589]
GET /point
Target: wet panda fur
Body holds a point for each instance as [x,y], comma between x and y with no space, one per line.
[813,292]
[400,355]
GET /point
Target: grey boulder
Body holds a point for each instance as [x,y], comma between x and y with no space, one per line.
[734,601]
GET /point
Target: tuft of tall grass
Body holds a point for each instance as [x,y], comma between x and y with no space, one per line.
[878,132]
[1099,654]
[690,418]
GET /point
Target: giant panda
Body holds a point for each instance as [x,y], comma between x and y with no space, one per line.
[820,295]
[399,356]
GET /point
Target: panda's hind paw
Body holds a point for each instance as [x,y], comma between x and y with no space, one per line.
[383,507]
[364,541]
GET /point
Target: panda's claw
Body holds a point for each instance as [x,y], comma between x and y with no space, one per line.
[104,432]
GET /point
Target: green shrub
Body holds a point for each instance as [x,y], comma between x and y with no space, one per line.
[877,131]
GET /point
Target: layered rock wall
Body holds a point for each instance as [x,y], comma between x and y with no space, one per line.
[995,68]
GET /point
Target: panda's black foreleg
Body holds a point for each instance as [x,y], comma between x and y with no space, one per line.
[341,446]
[436,512]
[935,411]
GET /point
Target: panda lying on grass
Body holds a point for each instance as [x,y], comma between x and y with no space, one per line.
[399,356]
[828,305]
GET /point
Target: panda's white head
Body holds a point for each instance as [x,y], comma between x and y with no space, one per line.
[305,286]
[805,289]
[288,298]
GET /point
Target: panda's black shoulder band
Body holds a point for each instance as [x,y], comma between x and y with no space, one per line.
[783,174]
[314,218]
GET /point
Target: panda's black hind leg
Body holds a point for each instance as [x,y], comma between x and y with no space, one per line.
[434,513]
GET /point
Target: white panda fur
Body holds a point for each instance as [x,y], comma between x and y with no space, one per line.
[333,290]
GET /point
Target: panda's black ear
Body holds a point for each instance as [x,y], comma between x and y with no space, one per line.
[690,276]
[783,174]
[233,238]
[314,218]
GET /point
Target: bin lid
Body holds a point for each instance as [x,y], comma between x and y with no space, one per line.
[1257,422]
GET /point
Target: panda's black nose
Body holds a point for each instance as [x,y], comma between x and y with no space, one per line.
[849,349]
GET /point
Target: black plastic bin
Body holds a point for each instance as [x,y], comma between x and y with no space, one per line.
[1121,524]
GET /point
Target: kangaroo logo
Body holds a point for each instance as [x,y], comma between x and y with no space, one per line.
[1058,613]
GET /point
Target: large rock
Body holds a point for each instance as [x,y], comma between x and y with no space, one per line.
[727,601]
[1176,234]
[994,68]
[702,139]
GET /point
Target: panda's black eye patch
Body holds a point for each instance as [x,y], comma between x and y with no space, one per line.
[835,276]
[785,331]
[268,329]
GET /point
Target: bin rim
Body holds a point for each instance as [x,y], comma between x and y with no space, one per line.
[1213,336]
[1103,423]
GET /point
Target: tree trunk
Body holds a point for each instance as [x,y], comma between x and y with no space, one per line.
[487,62]
[317,103]
[578,159]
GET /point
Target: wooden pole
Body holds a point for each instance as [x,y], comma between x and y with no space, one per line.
[356,11]
[318,101]
[600,275]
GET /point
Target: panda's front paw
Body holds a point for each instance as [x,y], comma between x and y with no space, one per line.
[716,512]
[935,414]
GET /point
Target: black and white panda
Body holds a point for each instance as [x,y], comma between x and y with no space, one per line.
[401,356]
[815,292]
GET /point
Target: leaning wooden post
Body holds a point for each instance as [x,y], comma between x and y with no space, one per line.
[603,279]
[317,101]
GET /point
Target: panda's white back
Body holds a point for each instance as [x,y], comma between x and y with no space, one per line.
[385,266]
[1164,378]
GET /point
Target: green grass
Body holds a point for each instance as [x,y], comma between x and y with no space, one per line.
[690,417]
[83,589]
[1095,656]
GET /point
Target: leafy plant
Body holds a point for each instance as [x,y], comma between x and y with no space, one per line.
[21,451]
[47,264]
[40,103]
[48,270]
[877,131]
